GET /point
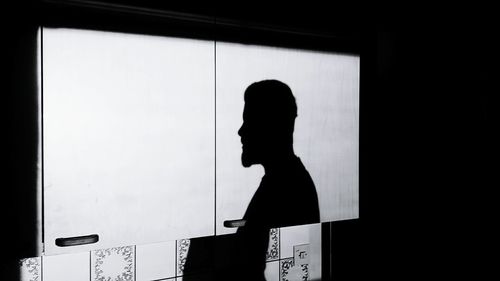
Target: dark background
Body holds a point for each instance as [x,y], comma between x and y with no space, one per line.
[427,122]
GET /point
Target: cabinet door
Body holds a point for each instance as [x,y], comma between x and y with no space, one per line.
[128,138]
[326,88]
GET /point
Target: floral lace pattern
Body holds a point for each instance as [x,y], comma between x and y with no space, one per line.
[291,272]
[114,264]
[274,246]
[182,252]
[30,269]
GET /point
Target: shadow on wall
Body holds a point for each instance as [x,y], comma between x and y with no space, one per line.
[267,137]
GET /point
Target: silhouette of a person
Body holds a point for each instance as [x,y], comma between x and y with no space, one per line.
[286,195]
[267,138]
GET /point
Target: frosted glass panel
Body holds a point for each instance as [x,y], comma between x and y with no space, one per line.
[128,138]
[326,88]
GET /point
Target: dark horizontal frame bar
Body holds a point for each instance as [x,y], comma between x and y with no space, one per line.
[128,18]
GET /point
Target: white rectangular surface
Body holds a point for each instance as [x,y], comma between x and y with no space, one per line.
[128,138]
[310,235]
[326,137]
[74,267]
[155,261]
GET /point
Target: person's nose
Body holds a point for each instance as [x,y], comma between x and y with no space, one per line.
[240,131]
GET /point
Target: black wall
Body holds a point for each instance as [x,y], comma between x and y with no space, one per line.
[427,129]
[428,147]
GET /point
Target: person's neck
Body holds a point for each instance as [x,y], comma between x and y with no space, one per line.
[278,160]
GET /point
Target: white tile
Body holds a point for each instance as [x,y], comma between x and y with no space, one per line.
[301,254]
[113,264]
[315,253]
[30,269]
[74,267]
[297,235]
[272,272]
[291,237]
[155,261]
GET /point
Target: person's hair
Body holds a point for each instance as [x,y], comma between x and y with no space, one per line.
[275,103]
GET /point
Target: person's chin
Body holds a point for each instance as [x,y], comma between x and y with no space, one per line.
[246,161]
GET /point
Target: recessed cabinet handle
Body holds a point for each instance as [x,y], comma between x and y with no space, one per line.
[234,223]
[77,240]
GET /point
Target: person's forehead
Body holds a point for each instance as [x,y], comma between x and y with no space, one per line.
[252,109]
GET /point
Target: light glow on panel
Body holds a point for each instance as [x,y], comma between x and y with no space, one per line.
[128,137]
[326,136]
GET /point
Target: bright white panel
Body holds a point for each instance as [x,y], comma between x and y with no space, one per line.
[128,138]
[272,271]
[155,261]
[309,235]
[326,88]
[75,267]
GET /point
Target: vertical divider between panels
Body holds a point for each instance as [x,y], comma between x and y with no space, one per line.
[90,266]
[135,262]
[42,195]
[215,137]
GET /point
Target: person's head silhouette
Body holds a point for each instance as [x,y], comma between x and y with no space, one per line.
[268,123]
